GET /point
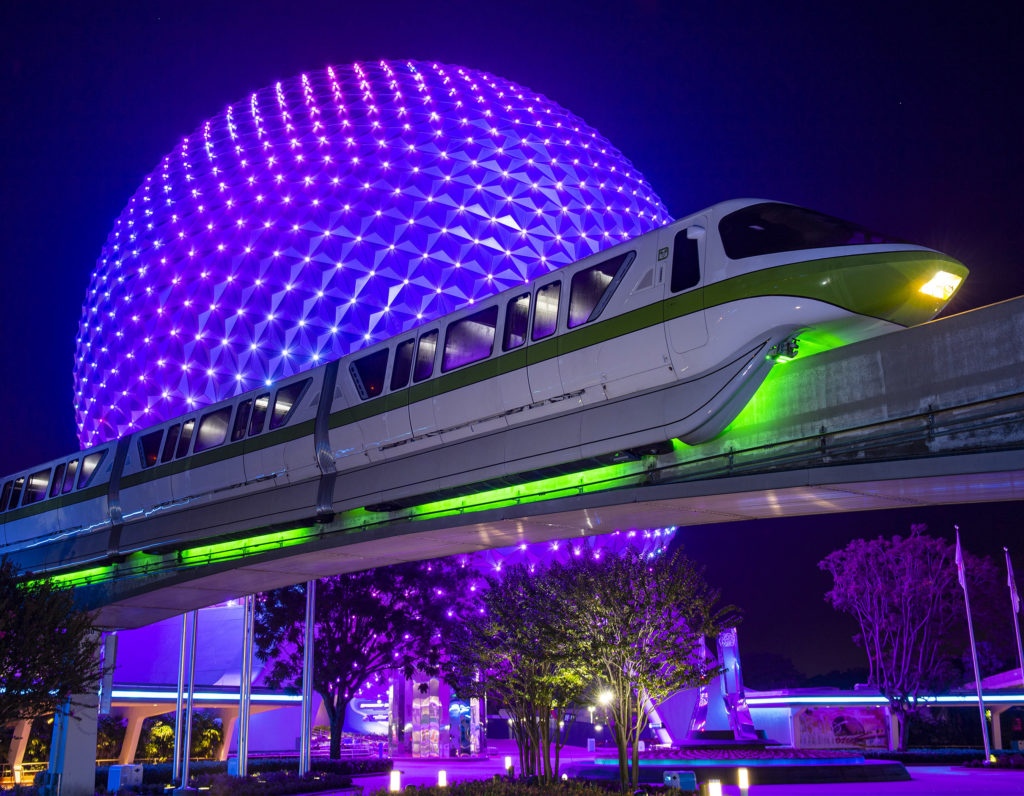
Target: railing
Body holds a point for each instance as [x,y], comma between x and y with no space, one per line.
[22,774]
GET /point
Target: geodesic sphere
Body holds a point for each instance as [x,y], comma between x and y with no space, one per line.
[327,213]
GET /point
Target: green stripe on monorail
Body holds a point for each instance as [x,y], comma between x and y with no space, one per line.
[49,504]
[220,453]
[880,285]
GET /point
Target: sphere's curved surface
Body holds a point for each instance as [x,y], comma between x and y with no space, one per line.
[331,211]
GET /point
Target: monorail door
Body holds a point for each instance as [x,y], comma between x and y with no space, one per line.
[682,252]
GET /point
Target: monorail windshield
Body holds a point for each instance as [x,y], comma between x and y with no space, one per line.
[772,227]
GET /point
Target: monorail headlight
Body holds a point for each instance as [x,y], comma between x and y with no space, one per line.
[942,285]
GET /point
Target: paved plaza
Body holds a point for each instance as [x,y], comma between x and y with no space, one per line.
[925,779]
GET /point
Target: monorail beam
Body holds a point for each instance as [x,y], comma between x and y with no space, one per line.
[927,416]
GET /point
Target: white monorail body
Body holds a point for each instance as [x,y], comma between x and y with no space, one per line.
[662,337]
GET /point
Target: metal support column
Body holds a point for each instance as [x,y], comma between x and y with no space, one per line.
[245,685]
[176,773]
[187,746]
[305,757]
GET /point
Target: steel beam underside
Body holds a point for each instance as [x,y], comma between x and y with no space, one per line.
[970,478]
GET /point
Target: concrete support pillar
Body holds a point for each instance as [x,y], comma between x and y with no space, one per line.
[228,720]
[308,641]
[133,731]
[19,742]
[73,748]
[245,685]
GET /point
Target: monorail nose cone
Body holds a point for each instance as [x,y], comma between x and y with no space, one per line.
[906,287]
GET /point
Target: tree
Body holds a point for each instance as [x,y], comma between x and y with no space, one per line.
[516,649]
[157,738]
[366,623]
[48,648]
[909,607]
[637,621]
[110,732]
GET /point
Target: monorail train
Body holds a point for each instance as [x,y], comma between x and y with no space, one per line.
[665,336]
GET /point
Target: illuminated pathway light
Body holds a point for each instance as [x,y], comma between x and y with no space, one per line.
[327,213]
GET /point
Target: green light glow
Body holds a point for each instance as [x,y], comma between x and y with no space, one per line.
[816,341]
[82,577]
[776,397]
[243,548]
[144,563]
[545,489]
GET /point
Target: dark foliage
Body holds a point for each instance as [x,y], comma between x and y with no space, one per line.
[157,738]
[517,651]
[526,787]
[905,596]
[110,732]
[48,648]
[40,735]
[953,756]
[769,671]
[1012,760]
[155,777]
[847,679]
[366,624]
[640,621]
[623,627]
[277,783]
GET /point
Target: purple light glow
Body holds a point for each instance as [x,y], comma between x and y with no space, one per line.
[327,213]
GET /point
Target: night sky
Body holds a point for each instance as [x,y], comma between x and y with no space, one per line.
[905,117]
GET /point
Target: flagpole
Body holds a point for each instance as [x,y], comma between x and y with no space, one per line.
[1015,605]
[962,577]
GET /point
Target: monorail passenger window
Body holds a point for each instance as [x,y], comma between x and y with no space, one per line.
[469,339]
[517,319]
[286,400]
[685,261]
[69,477]
[171,442]
[149,447]
[58,478]
[368,373]
[3,497]
[213,429]
[425,356]
[403,364]
[545,314]
[186,437]
[16,491]
[241,420]
[770,227]
[35,489]
[90,464]
[592,287]
[259,414]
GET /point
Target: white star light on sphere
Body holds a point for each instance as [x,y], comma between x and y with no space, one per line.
[327,213]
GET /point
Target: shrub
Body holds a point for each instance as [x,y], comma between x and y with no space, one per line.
[156,776]
[276,783]
[521,787]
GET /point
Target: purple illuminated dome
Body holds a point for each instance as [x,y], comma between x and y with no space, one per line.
[331,211]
